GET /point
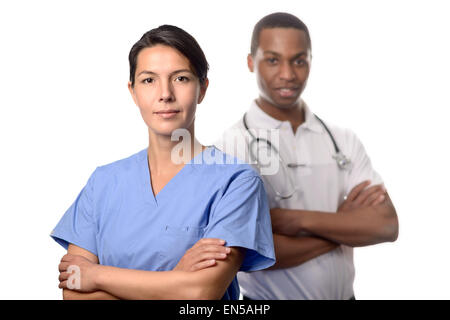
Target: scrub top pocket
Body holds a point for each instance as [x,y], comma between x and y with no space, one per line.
[175,241]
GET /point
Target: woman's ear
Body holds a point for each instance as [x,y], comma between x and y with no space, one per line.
[131,89]
[250,62]
[203,88]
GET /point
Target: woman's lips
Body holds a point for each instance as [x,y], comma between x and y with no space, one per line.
[167,114]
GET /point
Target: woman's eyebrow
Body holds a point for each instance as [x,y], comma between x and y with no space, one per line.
[172,73]
[147,72]
[180,71]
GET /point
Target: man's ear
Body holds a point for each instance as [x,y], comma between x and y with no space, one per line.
[250,62]
[131,89]
[203,89]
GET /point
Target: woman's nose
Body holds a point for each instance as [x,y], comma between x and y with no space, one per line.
[166,94]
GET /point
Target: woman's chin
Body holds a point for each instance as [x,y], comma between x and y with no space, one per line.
[168,131]
[171,128]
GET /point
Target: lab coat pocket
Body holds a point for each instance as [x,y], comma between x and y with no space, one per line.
[176,240]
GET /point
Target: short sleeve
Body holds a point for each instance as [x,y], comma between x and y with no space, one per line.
[361,169]
[78,226]
[242,219]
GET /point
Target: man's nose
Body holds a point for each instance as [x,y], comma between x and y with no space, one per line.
[286,71]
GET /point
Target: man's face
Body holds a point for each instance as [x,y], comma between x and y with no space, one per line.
[282,62]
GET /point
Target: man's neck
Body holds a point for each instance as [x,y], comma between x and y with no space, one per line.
[294,114]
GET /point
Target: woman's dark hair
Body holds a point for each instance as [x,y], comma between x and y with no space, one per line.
[176,38]
[277,20]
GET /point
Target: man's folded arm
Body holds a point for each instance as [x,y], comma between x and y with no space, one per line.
[293,251]
[356,227]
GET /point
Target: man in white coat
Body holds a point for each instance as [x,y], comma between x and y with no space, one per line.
[325,197]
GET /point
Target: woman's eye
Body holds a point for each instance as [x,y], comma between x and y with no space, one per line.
[182,78]
[147,80]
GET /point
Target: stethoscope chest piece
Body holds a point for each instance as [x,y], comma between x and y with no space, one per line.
[342,161]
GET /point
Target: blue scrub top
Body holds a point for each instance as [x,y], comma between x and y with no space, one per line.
[117,217]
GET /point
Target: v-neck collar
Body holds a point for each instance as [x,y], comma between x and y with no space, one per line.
[145,177]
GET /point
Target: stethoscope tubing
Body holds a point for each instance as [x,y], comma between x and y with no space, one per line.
[342,161]
[333,140]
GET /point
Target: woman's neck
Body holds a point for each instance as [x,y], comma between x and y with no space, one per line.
[165,155]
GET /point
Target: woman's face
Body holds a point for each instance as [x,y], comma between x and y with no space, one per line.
[166,90]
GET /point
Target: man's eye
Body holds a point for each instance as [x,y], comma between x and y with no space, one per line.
[272,60]
[300,62]
[147,80]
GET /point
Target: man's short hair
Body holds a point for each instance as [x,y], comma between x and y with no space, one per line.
[277,20]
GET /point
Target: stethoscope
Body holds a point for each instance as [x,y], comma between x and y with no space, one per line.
[342,161]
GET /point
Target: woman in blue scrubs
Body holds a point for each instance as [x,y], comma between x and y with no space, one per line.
[129,229]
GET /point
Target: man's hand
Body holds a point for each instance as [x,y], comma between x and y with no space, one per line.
[362,197]
[77,273]
[203,255]
[292,222]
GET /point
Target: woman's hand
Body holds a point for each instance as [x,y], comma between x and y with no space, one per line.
[77,273]
[203,254]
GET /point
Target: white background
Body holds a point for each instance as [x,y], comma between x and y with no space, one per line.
[380,68]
